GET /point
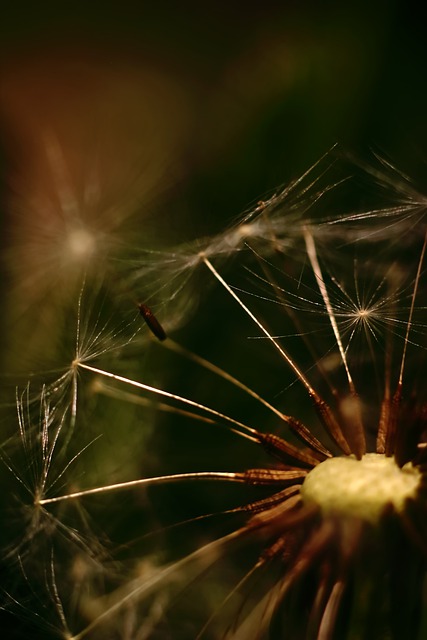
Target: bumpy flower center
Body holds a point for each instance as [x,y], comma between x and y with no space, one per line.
[360,488]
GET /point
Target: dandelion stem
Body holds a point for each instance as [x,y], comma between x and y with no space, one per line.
[295,425]
[242,430]
[356,434]
[397,397]
[177,348]
[106,390]
[235,590]
[312,255]
[131,484]
[283,353]
[322,408]
[274,444]
[205,556]
[327,623]
[411,311]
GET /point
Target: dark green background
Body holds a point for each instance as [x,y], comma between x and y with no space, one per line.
[323,72]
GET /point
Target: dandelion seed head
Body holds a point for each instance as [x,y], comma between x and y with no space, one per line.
[347,487]
[338,431]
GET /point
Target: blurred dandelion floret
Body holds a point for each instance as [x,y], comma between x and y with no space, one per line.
[331,542]
[93,148]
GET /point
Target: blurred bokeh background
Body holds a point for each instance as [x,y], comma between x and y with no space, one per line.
[167,120]
[154,123]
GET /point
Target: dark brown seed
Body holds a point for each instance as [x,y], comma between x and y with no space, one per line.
[152,322]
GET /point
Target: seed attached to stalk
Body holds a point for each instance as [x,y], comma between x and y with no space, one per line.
[152,322]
